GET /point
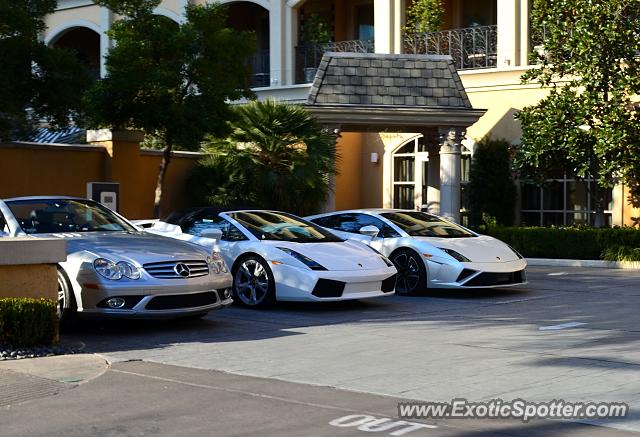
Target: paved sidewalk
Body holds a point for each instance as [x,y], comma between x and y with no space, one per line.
[34,378]
[140,398]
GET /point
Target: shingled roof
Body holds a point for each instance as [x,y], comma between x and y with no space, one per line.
[410,93]
[388,80]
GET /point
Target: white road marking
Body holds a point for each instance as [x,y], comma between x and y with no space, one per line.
[368,423]
[561,326]
[557,274]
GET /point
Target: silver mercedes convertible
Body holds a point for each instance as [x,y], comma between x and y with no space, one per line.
[115,270]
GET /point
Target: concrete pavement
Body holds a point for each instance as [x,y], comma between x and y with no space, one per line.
[571,334]
[140,398]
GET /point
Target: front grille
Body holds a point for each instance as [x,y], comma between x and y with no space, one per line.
[490,279]
[464,274]
[328,288]
[170,269]
[389,284]
[182,301]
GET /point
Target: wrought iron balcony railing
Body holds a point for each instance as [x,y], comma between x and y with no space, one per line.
[471,47]
[308,56]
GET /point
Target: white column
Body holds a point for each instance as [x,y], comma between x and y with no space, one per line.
[383,21]
[105,42]
[276,37]
[524,32]
[508,38]
[433,181]
[450,173]
[399,20]
[290,36]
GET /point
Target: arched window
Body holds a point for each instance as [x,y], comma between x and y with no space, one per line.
[410,174]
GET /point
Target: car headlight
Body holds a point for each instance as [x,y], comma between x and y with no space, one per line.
[455,255]
[386,260]
[303,259]
[115,271]
[217,264]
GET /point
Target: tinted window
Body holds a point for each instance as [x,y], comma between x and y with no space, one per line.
[43,216]
[197,224]
[266,225]
[420,224]
[352,222]
[4,229]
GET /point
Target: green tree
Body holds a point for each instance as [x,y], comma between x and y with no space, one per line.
[276,156]
[424,16]
[492,192]
[171,80]
[39,83]
[589,124]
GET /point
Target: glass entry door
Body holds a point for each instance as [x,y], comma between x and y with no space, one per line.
[410,165]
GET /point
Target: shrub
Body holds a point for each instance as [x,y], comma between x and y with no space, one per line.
[28,322]
[492,192]
[565,243]
[277,157]
[621,253]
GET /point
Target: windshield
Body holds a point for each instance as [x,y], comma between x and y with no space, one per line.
[420,224]
[282,227]
[48,216]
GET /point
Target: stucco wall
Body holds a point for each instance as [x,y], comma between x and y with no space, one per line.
[502,95]
[32,170]
[28,266]
[348,185]
[38,280]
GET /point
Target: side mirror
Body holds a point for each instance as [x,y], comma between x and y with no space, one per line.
[370,230]
[214,234]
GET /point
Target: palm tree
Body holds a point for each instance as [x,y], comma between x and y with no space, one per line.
[276,157]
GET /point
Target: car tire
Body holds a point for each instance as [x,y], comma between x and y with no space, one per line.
[253,283]
[412,273]
[67,307]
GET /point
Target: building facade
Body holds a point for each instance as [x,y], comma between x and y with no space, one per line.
[389,164]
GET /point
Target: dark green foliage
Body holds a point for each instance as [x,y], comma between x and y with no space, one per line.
[492,192]
[424,16]
[28,322]
[171,80]
[38,83]
[589,125]
[276,157]
[621,253]
[565,243]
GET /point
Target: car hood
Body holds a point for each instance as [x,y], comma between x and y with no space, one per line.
[344,256]
[139,247]
[481,249]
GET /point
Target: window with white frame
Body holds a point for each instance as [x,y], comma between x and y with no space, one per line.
[410,173]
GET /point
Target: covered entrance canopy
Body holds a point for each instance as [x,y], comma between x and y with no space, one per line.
[360,92]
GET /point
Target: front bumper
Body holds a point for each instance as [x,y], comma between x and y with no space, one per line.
[295,284]
[150,297]
[477,275]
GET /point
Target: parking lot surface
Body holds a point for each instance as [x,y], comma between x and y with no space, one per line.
[571,334]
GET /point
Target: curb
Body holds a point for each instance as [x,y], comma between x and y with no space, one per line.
[548,262]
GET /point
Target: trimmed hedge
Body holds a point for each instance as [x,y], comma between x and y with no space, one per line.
[28,322]
[565,243]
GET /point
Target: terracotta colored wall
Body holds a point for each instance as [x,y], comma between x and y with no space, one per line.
[36,169]
[31,170]
[348,184]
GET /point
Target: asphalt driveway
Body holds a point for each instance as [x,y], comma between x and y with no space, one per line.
[572,334]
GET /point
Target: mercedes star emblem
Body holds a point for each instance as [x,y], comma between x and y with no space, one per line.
[182,270]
